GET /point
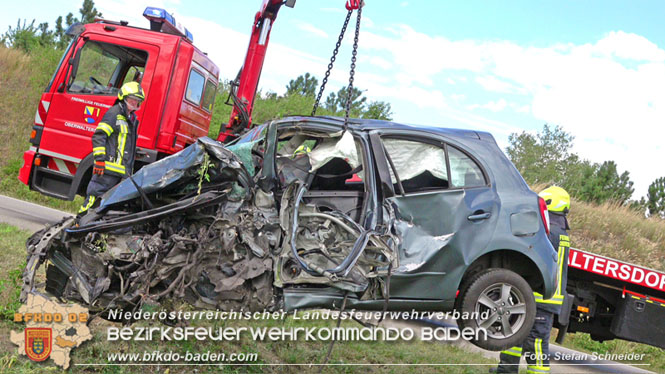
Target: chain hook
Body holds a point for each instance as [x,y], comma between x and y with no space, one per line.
[353,4]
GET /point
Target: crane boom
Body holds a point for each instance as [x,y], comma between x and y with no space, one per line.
[245,86]
[243,89]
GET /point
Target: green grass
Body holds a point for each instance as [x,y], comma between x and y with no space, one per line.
[22,80]
[619,232]
[12,260]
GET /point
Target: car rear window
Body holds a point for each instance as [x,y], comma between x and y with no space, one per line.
[464,172]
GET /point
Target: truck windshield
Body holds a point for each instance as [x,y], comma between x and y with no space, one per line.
[103,67]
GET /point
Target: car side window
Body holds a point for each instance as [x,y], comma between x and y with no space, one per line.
[195,85]
[419,166]
[464,172]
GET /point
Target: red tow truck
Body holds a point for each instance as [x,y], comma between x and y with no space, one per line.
[179,80]
[612,299]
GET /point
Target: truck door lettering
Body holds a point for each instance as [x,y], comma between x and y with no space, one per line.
[611,268]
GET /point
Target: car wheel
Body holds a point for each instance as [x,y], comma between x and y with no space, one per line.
[501,302]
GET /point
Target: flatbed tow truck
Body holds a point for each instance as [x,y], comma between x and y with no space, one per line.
[613,299]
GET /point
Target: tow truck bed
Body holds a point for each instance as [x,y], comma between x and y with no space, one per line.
[613,299]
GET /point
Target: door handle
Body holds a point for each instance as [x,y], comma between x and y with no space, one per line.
[479,216]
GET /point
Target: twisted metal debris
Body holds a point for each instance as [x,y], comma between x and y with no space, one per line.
[210,237]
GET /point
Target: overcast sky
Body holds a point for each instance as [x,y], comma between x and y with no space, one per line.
[596,68]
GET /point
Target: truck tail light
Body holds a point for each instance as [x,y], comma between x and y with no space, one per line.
[38,161]
[544,214]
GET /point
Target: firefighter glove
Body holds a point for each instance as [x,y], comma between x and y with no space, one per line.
[99,167]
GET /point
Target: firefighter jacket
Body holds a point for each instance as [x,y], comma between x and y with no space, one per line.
[114,140]
[560,242]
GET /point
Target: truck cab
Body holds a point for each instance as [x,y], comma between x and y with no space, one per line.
[179,80]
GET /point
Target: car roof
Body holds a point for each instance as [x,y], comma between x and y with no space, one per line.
[375,124]
[483,145]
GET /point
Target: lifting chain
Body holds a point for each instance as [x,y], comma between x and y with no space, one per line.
[353,69]
[334,57]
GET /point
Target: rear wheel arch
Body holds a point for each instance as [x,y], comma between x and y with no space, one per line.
[506,259]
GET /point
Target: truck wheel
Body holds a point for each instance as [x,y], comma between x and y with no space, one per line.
[501,302]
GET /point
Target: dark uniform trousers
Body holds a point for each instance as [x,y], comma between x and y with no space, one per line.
[98,185]
[535,348]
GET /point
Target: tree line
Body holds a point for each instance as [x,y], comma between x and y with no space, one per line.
[28,37]
[546,157]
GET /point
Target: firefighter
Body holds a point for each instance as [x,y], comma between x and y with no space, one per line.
[535,348]
[114,144]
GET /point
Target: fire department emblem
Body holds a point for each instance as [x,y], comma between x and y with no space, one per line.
[91,114]
[38,343]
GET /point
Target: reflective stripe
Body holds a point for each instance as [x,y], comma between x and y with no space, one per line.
[562,252]
[59,155]
[88,205]
[99,151]
[514,351]
[105,127]
[115,167]
[539,367]
[557,298]
[122,140]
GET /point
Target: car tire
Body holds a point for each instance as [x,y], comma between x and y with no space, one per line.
[504,306]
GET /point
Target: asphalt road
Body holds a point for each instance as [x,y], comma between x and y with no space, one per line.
[28,216]
[34,217]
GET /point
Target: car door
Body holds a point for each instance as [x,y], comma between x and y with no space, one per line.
[444,210]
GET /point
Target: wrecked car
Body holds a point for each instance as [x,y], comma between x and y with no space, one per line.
[305,212]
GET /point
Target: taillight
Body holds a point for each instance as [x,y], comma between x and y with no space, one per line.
[544,214]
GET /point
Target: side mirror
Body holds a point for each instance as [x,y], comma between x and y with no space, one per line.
[290,3]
